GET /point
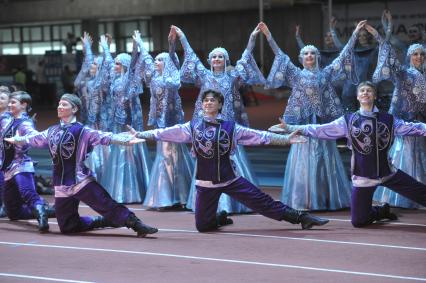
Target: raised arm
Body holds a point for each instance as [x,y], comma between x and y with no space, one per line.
[246,68]
[88,60]
[345,62]
[299,40]
[283,71]
[145,63]
[192,69]
[339,45]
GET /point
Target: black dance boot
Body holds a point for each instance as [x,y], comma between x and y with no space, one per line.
[40,213]
[100,222]
[383,212]
[139,227]
[306,219]
[223,219]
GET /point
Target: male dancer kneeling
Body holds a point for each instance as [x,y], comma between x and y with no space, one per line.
[370,134]
[69,142]
[213,141]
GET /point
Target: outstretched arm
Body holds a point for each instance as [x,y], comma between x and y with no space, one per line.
[330,131]
[248,136]
[402,128]
[180,133]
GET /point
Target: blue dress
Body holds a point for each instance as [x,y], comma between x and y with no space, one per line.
[93,92]
[171,172]
[408,103]
[314,178]
[127,169]
[228,83]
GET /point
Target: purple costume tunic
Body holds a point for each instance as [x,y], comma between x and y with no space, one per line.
[370,135]
[227,83]
[19,194]
[314,178]
[213,142]
[171,172]
[69,145]
[408,153]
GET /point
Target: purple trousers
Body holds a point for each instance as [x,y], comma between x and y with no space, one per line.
[243,191]
[20,196]
[97,198]
[362,211]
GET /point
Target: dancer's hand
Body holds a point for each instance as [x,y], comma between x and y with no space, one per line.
[371,30]
[255,32]
[359,26]
[104,42]
[178,31]
[137,37]
[297,30]
[264,29]
[135,140]
[296,137]
[172,35]
[333,23]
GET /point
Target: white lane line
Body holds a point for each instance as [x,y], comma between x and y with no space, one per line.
[279,237]
[302,239]
[222,260]
[42,278]
[348,220]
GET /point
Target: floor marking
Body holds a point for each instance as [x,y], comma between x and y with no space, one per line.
[278,237]
[42,278]
[223,260]
[348,220]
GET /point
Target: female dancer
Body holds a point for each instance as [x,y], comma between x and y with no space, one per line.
[365,54]
[331,48]
[20,197]
[127,175]
[213,140]
[4,102]
[228,83]
[172,170]
[314,178]
[69,142]
[92,87]
[408,103]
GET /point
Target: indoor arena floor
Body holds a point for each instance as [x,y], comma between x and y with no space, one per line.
[253,249]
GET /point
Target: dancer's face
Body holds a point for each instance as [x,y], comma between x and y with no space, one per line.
[159,64]
[118,68]
[218,61]
[328,40]
[417,59]
[414,34]
[366,95]
[4,101]
[65,109]
[211,105]
[363,37]
[309,58]
[16,107]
